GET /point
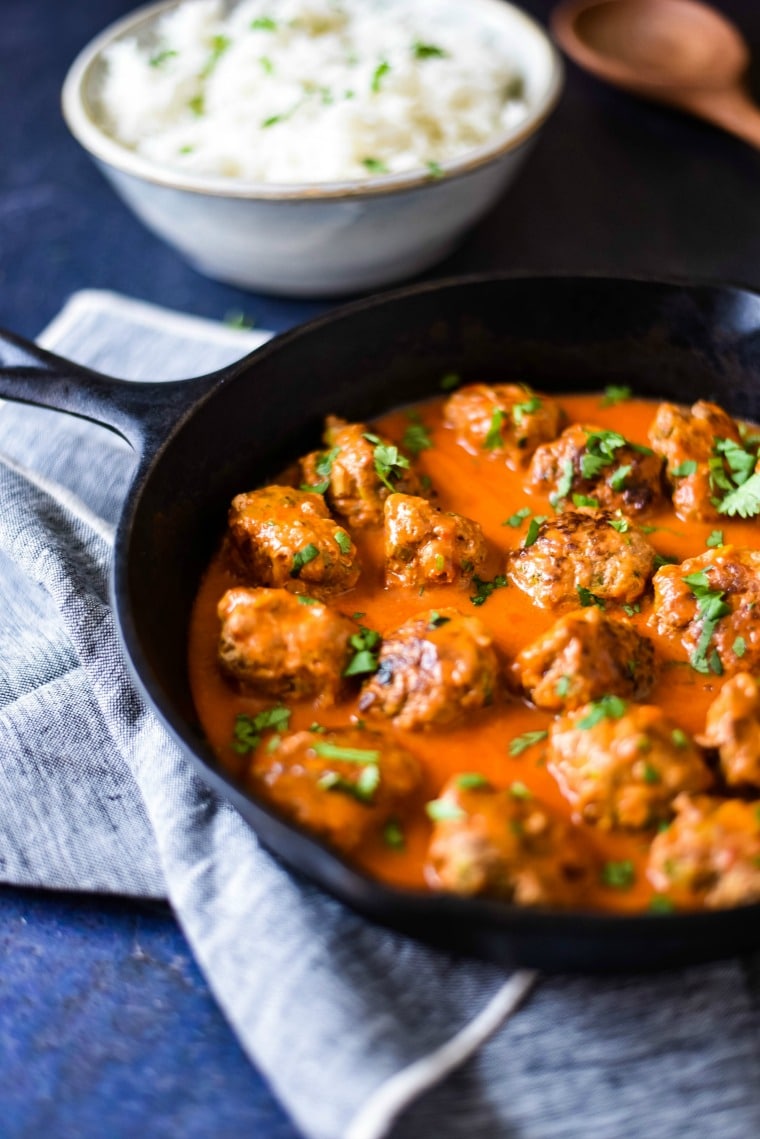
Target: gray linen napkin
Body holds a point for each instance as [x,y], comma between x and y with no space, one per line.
[348,1021]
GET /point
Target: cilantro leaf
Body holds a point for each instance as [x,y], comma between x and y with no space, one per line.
[366,646]
[303,557]
[586,598]
[744,500]
[484,589]
[521,743]
[247,731]
[607,708]
[518,517]
[619,875]
[494,437]
[615,393]
[416,437]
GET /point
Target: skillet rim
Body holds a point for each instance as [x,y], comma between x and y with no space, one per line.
[395,906]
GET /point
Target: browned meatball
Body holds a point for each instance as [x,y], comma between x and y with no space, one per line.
[433,670]
[621,765]
[274,644]
[687,439]
[581,553]
[505,420]
[505,845]
[733,727]
[584,656]
[600,465]
[425,546]
[358,471]
[343,785]
[284,537]
[710,854]
[711,603]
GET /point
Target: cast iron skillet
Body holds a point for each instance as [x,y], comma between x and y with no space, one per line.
[201,441]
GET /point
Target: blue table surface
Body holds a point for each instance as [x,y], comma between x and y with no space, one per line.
[106,1025]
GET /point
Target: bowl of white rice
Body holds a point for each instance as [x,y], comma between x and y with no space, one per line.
[313,147]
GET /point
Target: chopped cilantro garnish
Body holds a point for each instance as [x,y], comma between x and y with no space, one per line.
[739,646]
[326,750]
[484,589]
[533,530]
[521,743]
[562,687]
[600,452]
[266,65]
[442,810]
[494,437]
[358,615]
[586,598]
[366,644]
[518,517]
[711,607]
[715,539]
[434,169]
[316,727]
[615,393]
[304,599]
[618,478]
[219,45]
[416,437]
[619,875]
[518,790]
[343,540]
[248,729]
[450,381]
[264,24]
[469,780]
[389,462]
[585,500]
[196,105]
[631,610]
[379,74]
[525,407]
[436,619]
[303,557]
[679,738]
[375,165]
[440,563]
[323,467]
[660,904]
[607,708]
[565,483]
[744,501]
[661,560]
[363,788]
[650,773]
[160,58]
[393,835]
[683,470]
[428,51]
[237,319]
[622,525]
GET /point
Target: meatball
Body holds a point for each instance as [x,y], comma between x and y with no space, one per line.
[710,853]
[272,643]
[433,670]
[505,844]
[425,546]
[284,537]
[342,785]
[584,656]
[687,440]
[505,420]
[621,765]
[358,472]
[711,603]
[733,727]
[582,553]
[599,465]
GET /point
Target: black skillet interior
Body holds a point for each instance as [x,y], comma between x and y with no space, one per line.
[559,334]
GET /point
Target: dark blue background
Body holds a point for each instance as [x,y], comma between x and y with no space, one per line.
[106,1026]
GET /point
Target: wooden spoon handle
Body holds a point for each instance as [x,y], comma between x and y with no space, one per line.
[731,108]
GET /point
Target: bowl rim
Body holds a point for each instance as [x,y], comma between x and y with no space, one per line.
[106,149]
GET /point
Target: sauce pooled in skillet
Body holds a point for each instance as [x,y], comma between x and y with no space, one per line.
[503,644]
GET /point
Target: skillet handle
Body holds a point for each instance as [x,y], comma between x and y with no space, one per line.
[142,413]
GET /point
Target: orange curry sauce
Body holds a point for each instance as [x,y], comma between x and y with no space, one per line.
[479,487]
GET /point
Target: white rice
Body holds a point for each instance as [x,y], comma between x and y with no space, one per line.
[308,90]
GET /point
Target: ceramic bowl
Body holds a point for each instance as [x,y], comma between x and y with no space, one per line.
[319,239]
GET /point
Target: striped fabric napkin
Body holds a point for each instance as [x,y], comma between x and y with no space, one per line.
[361,1032]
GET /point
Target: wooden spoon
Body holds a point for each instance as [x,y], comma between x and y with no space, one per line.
[679,52]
